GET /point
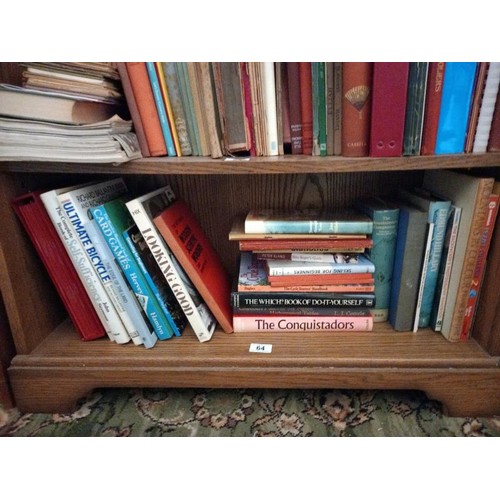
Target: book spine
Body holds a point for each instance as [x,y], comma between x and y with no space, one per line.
[477,97]
[494,139]
[247,100]
[161,109]
[307,227]
[133,275]
[319,256]
[95,289]
[269,97]
[329,103]
[199,316]
[268,323]
[337,109]
[275,268]
[337,288]
[306,106]
[295,107]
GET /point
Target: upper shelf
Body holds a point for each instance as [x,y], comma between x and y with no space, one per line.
[287,164]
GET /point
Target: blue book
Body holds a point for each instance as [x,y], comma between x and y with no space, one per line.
[385,228]
[160,107]
[458,87]
[112,217]
[438,211]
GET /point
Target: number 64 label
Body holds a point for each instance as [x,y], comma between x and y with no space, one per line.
[263,348]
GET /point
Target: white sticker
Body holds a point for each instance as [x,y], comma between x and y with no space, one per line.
[265,348]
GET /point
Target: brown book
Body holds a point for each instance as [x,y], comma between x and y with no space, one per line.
[477,98]
[329,94]
[432,107]
[494,140]
[306,107]
[7,352]
[337,108]
[294,112]
[139,80]
[356,107]
[280,99]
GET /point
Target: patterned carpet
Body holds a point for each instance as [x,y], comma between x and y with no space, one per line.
[240,413]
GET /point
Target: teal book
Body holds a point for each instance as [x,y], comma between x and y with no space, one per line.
[307,221]
[458,87]
[385,228]
[112,219]
[438,211]
[160,107]
[156,280]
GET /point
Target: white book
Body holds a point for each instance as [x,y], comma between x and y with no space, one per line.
[143,210]
[93,285]
[75,205]
[487,107]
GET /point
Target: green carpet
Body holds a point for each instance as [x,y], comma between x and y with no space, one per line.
[240,413]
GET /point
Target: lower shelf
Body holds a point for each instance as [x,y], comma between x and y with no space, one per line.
[63,368]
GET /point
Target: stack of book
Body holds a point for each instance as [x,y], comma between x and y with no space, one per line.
[303,270]
[70,112]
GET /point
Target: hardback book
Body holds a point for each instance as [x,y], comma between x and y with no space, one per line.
[487,108]
[194,251]
[415,106]
[329,99]
[282,118]
[161,109]
[323,257]
[81,262]
[347,320]
[389,91]
[356,108]
[155,279]
[134,110]
[337,109]
[318,246]
[433,97]
[494,139]
[438,211]
[295,107]
[113,218]
[75,205]
[20,102]
[317,300]
[456,100]
[143,210]
[321,279]
[319,108]
[247,99]
[52,252]
[385,228]
[306,106]
[307,221]
[472,195]
[144,98]
[343,263]
[408,260]
[477,279]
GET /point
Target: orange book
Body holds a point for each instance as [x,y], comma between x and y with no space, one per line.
[356,107]
[195,253]
[139,80]
[306,107]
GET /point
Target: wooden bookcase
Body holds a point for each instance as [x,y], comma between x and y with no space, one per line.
[53,368]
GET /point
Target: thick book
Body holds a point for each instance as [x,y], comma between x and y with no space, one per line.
[306,106]
[356,107]
[37,223]
[433,97]
[456,100]
[385,228]
[472,195]
[389,90]
[415,106]
[307,221]
[295,107]
[247,99]
[143,210]
[344,321]
[342,264]
[139,80]
[81,262]
[438,211]
[409,253]
[199,259]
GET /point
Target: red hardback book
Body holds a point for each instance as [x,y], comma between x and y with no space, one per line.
[477,99]
[294,112]
[356,107]
[389,90]
[32,214]
[247,99]
[134,110]
[139,80]
[432,107]
[306,107]
[195,253]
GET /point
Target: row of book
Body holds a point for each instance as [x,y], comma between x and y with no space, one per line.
[137,268]
[381,109]
[415,259]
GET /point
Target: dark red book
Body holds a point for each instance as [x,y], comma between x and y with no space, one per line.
[477,99]
[247,100]
[356,107]
[389,87]
[32,214]
[306,107]
[432,107]
[494,140]
[195,253]
[294,111]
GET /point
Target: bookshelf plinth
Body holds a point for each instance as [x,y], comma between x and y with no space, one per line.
[62,368]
